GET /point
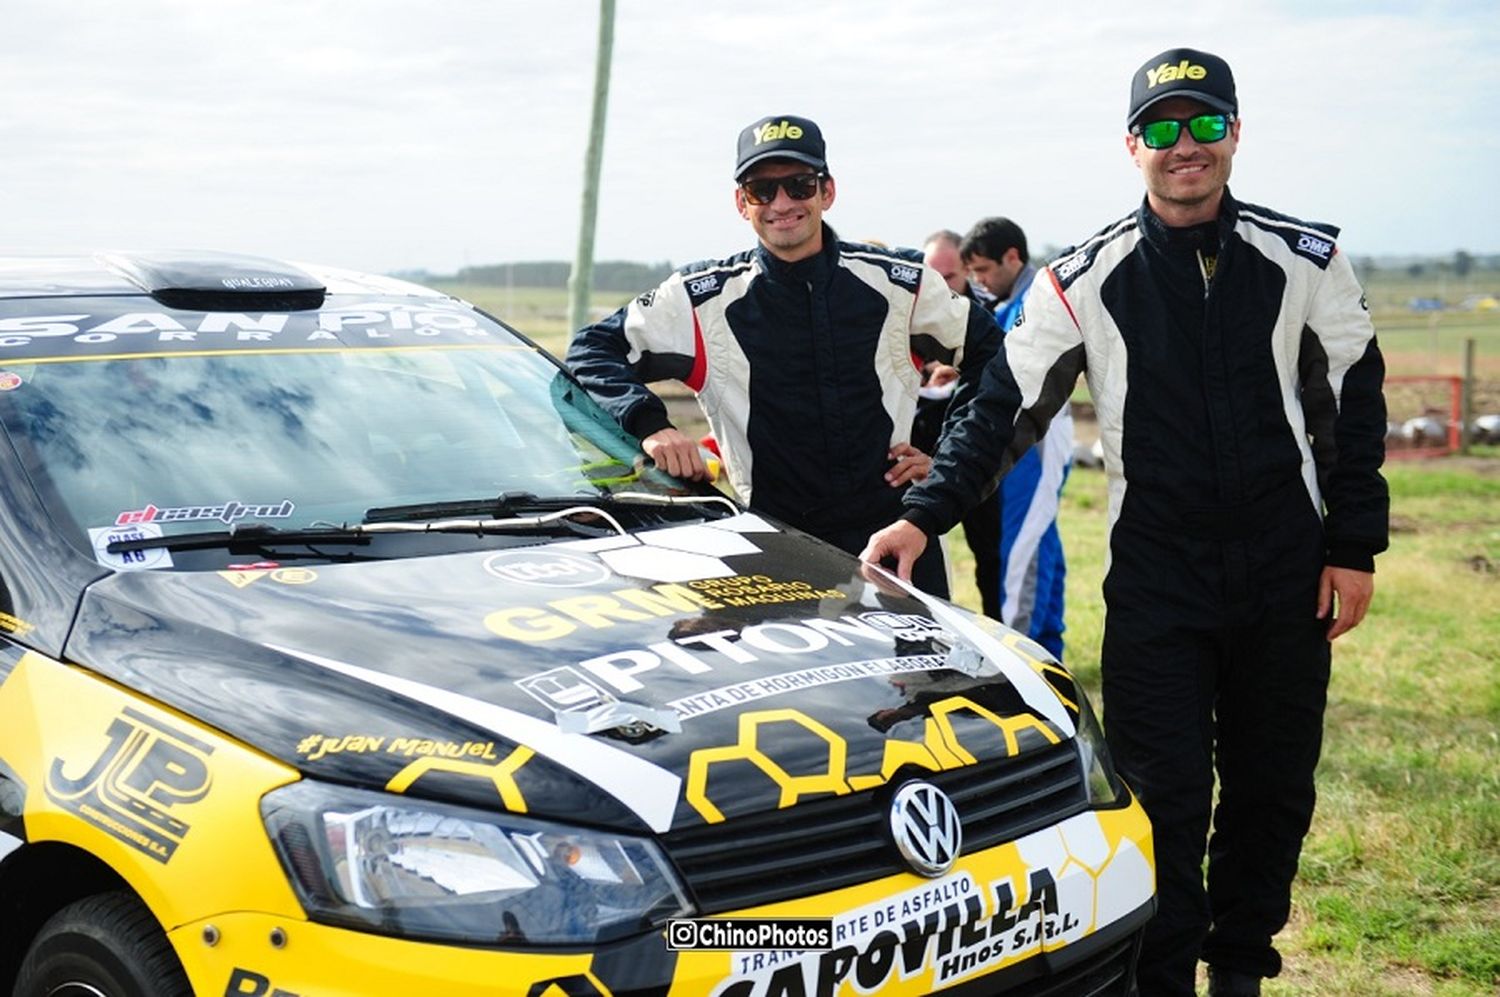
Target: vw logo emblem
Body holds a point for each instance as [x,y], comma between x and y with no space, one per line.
[926,827]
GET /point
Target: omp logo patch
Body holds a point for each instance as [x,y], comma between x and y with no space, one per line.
[551,569]
[147,769]
[772,131]
[704,285]
[904,274]
[1069,266]
[1314,246]
[1166,73]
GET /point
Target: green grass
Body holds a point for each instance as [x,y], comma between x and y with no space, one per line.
[1399,890]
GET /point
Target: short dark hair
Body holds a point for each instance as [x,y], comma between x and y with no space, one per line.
[991,237]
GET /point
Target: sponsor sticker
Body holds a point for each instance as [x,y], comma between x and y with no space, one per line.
[9,380]
[551,569]
[135,789]
[241,576]
[257,283]
[129,560]
[952,927]
[565,690]
[316,746]
[228,513]
[712,700]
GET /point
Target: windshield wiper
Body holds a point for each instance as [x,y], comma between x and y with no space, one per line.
[247,538]
[244,538]
[493,507]
[512,503]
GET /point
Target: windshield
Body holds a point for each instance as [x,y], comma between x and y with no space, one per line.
[202,437]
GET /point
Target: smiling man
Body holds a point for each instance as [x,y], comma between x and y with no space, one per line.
[799,352]
[1237,381]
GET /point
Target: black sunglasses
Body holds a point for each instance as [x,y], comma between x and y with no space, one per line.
[798,186]
[1164,132]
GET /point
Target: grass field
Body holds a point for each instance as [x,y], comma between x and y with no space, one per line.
[1399,890]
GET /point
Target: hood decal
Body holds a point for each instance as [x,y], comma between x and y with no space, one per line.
[648,789]
[1033,688]
[677,553]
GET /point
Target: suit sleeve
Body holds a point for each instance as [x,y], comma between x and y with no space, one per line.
[1020,388]
[959,331]
[1343,375]
[653,338]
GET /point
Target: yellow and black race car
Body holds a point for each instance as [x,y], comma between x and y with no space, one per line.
[346,647]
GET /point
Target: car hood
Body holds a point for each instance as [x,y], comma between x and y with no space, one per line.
[650,681]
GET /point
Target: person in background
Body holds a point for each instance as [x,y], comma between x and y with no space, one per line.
[1238,385]
[982,523]
[1033,569]
[798,351]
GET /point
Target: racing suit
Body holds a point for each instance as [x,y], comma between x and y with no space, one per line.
[802,369]
[1237,381]
[1033,571]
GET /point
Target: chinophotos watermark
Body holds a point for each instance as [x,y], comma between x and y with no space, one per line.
[749,934]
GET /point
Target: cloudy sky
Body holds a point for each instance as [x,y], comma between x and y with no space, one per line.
[396,134]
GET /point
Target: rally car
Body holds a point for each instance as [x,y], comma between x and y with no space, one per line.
[347,647]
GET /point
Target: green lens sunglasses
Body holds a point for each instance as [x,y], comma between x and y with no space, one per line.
[1164,132]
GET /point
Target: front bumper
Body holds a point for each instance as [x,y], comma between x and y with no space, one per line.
[1038,907]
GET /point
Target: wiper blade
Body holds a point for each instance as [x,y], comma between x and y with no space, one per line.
[244,538]
[492,507]
[251,537]
[511,503]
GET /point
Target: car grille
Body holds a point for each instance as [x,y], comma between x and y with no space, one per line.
[1105,974]
[831,843]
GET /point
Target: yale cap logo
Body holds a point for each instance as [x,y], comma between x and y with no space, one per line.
[1166,73]
[772,131]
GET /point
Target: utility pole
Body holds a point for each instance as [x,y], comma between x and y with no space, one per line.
[581,280]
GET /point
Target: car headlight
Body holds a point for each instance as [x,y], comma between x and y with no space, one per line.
[1105,788]
[419,869]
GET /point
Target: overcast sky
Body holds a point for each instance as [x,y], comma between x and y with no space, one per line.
[396,134]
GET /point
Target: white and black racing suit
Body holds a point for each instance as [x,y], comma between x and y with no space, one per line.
[1238,386]
[804,371]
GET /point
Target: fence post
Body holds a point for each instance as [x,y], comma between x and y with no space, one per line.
[1466,393]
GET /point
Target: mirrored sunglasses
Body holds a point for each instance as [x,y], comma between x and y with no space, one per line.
[1164,132]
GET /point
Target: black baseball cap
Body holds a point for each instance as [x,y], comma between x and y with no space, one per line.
[1182,72]
[781,136]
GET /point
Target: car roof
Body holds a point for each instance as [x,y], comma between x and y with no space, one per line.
[166,272]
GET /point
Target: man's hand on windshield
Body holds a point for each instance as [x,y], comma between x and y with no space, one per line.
[900,542]
[676,454]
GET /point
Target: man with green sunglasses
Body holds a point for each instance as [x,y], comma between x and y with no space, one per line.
[1238,387]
